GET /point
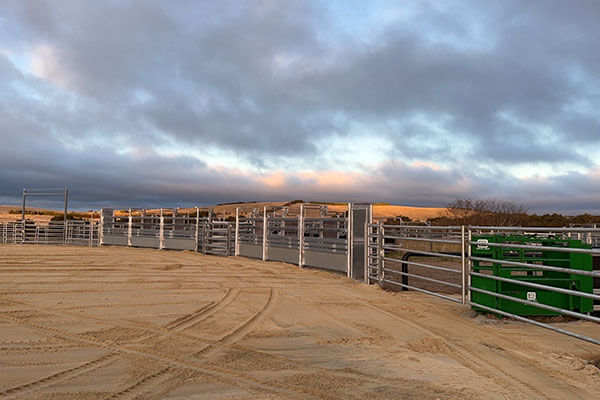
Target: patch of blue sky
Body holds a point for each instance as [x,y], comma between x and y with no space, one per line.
[448,23]
[357,151]
[543,169]
[361,21]
[213,156]
[26,91]
[19,59]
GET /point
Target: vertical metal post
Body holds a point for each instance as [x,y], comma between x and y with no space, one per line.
[368,221]
[265,221]
[204,234]
[173,222]
[101,228]
[430,239]
[23,209]
[463,266]
[91,233]
[228,252]
[130,229]
[197,229]
[209,233]
[468,272]
[65,216]
[301,236]
[161,231]
[380,252]
[237,232]
[349,239]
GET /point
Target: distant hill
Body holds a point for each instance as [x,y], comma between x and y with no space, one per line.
[228,210]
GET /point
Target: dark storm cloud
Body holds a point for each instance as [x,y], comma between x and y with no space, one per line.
[495,84]
[209,75]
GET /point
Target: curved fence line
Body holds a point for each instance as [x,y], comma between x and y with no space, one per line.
[525,273]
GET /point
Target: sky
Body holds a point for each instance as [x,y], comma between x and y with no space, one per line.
[149,103]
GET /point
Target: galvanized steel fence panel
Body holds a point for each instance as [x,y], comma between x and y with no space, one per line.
[439,261]
[437,266]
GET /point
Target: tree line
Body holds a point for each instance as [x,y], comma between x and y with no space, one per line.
[491,212]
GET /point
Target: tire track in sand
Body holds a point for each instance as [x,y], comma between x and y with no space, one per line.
[233,377]
[139,388]
[475,361]
[189,320]
[59,376]
[232,337]
[192,319]
[521,357]
[91,365]
[169,329]
[242,330]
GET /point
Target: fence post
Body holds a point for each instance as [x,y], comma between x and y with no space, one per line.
[228,253]
[65,217]
[197,229]
[237,232]
[265,221]
[161,231]
[129,229]
[380,252]
[468,272]
[369,221]
[349,241]
[463,266]
[204,228]
[301,236]
[101,228]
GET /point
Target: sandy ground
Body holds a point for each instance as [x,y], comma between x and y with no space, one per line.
[138,323]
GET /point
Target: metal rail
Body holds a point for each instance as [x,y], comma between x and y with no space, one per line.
[302,240]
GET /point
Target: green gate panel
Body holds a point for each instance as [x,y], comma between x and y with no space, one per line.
[573,281]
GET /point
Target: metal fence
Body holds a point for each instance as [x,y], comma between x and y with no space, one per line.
[168,229]
[536,272]
[77,232]
[522,273]
[218,238]
[314,237]
[428,259]
[11,232]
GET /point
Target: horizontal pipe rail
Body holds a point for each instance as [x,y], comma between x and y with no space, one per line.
[538,266]
[531,229]
[422,239]
[418,264]
[538,305]
[429,253]
[422,277]
[423,227]
[538,286]
[539,248]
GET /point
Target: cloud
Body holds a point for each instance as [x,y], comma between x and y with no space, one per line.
[455,95]
[45,64]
